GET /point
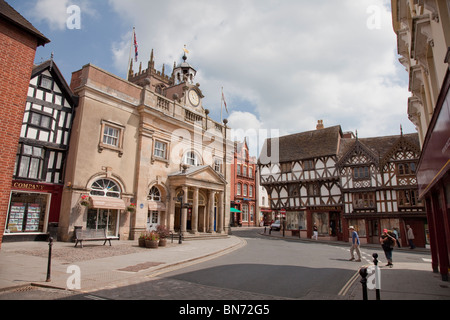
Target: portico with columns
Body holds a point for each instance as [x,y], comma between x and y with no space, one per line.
[202,190]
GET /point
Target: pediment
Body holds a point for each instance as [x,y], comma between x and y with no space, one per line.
[201,176]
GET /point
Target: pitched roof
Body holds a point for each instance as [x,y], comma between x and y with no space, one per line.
[304,145]
[58,77]
[379,147]
[9,14]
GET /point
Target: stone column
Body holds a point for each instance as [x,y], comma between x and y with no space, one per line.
[211,211]
[184,210]
[220,217]
[170,213]
[194,221]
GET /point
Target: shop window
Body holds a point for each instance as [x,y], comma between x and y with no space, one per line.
[27,212]
[321,221]
[98,219]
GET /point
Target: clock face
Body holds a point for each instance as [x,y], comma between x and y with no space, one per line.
[194,98]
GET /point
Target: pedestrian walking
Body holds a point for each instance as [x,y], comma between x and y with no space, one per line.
[387,242]
[355,245]
[410,236]
[315,232]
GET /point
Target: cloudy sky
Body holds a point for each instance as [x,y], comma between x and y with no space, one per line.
[283,64]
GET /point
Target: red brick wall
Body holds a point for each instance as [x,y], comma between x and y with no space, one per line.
[17,52]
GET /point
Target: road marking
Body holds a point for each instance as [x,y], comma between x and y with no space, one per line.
[91,297]
[427,260]
[349,284]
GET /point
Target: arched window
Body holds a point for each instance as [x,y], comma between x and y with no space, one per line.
[191,158]
[105,188]
[154,194]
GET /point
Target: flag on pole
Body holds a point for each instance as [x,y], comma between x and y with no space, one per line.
[136,53]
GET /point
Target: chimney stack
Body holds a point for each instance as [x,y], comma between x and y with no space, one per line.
[320,125]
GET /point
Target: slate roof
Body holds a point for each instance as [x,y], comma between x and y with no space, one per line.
[12,16]
[380,147]
[306,145]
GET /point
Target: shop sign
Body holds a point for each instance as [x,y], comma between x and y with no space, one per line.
[27,186]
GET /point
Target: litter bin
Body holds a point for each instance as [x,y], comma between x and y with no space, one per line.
[53,230]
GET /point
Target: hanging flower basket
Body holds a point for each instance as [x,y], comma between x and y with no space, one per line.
[85,201]
[131,207]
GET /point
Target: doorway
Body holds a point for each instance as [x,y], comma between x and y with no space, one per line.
[374,234]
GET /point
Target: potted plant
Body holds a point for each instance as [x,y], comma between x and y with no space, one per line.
[163,233]
[141,240]
[152,240]
[84,201]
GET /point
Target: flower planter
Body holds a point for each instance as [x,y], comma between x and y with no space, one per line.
[141,242]
[162,242]
[151,244]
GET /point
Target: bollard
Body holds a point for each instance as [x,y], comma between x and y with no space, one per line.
[377,276]
[363,273]
[49,265]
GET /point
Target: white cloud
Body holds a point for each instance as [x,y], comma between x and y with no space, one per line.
[288,63]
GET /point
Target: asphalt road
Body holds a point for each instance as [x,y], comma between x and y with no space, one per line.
[267,268]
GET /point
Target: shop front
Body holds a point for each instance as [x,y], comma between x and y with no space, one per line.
[327,219]
[32,208]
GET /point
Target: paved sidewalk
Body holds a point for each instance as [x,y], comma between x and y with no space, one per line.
[25,263]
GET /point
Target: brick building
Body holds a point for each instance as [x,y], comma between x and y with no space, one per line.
[18,42]
[243,187]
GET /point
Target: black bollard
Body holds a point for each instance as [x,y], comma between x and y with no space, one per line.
[363,273]
[377,290]
[49,265]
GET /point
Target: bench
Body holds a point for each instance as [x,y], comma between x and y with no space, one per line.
[91,235]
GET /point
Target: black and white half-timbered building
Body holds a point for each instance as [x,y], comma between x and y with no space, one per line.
[379,186]
[302,179]
[331,180]
[38,179]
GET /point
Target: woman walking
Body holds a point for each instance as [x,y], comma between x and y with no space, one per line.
[387,243]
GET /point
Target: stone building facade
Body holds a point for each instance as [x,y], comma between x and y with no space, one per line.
[138,147]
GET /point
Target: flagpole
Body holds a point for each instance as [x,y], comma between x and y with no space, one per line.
[221,106]
[131,49]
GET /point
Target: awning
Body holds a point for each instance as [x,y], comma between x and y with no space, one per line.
[107,203]
[156,206]
[234,210]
